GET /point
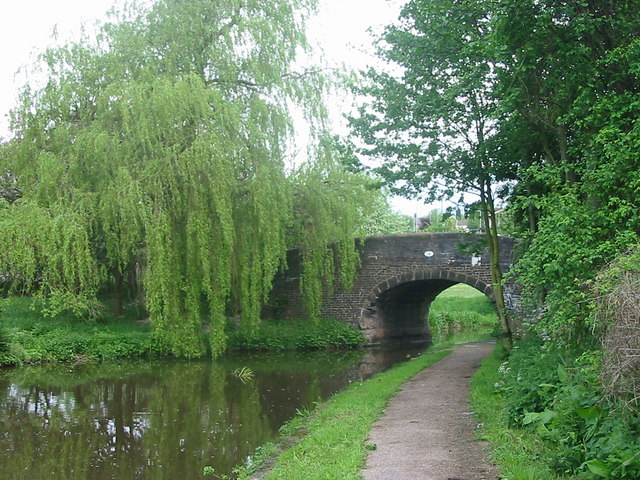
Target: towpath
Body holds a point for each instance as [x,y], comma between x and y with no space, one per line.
[428,430]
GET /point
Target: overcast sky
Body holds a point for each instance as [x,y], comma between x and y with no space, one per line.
[26,27]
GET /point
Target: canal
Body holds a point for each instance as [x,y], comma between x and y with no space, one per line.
[163,419]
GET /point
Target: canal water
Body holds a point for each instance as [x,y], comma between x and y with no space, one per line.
[161,419]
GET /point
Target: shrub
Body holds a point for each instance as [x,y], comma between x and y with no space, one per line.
[555,392]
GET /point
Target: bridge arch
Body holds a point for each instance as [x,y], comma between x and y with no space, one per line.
[417,276]
[398,307]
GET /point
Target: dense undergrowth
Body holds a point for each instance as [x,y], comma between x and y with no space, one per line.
[554,420]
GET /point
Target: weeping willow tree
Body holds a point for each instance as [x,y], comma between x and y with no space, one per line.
[156,151]
[331,207]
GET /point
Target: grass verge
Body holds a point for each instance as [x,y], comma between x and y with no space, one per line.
[27,337]
[462,310]
[516,452]
[333,438]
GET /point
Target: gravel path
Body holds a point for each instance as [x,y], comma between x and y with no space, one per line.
[427,430]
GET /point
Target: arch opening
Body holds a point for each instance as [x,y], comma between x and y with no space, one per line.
[397,310]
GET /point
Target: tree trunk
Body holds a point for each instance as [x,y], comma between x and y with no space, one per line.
[571,176]
[532,214]
[493,243]
[118,294]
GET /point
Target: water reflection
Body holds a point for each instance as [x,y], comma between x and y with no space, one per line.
[161,419]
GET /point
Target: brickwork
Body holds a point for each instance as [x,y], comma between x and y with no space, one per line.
[398,278]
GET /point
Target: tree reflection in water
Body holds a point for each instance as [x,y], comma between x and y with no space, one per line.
[160,419]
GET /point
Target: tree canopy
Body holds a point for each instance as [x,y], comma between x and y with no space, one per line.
[154,163]
[569,85]
[536,101]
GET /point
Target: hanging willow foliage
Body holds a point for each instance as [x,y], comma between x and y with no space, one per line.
[48,252]
[160,147]
[328,204]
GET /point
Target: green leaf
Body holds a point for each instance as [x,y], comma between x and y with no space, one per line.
[542,418]
[588,413]
[598,467]
[530,417]
[548,385]
[562,374]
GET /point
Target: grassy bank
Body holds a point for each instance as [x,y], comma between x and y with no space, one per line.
[333,437]
[28,337]
[547,418]
[462,310]
[517,453]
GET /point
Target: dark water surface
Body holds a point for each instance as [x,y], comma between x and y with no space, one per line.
[162,420]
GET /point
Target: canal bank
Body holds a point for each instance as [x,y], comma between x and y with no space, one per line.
[28,336]
[411,422]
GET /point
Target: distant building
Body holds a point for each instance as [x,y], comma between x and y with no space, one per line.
[462,225]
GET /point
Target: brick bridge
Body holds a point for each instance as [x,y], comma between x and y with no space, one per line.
[398,278]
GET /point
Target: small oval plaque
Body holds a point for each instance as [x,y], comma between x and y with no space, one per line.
[428,253]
